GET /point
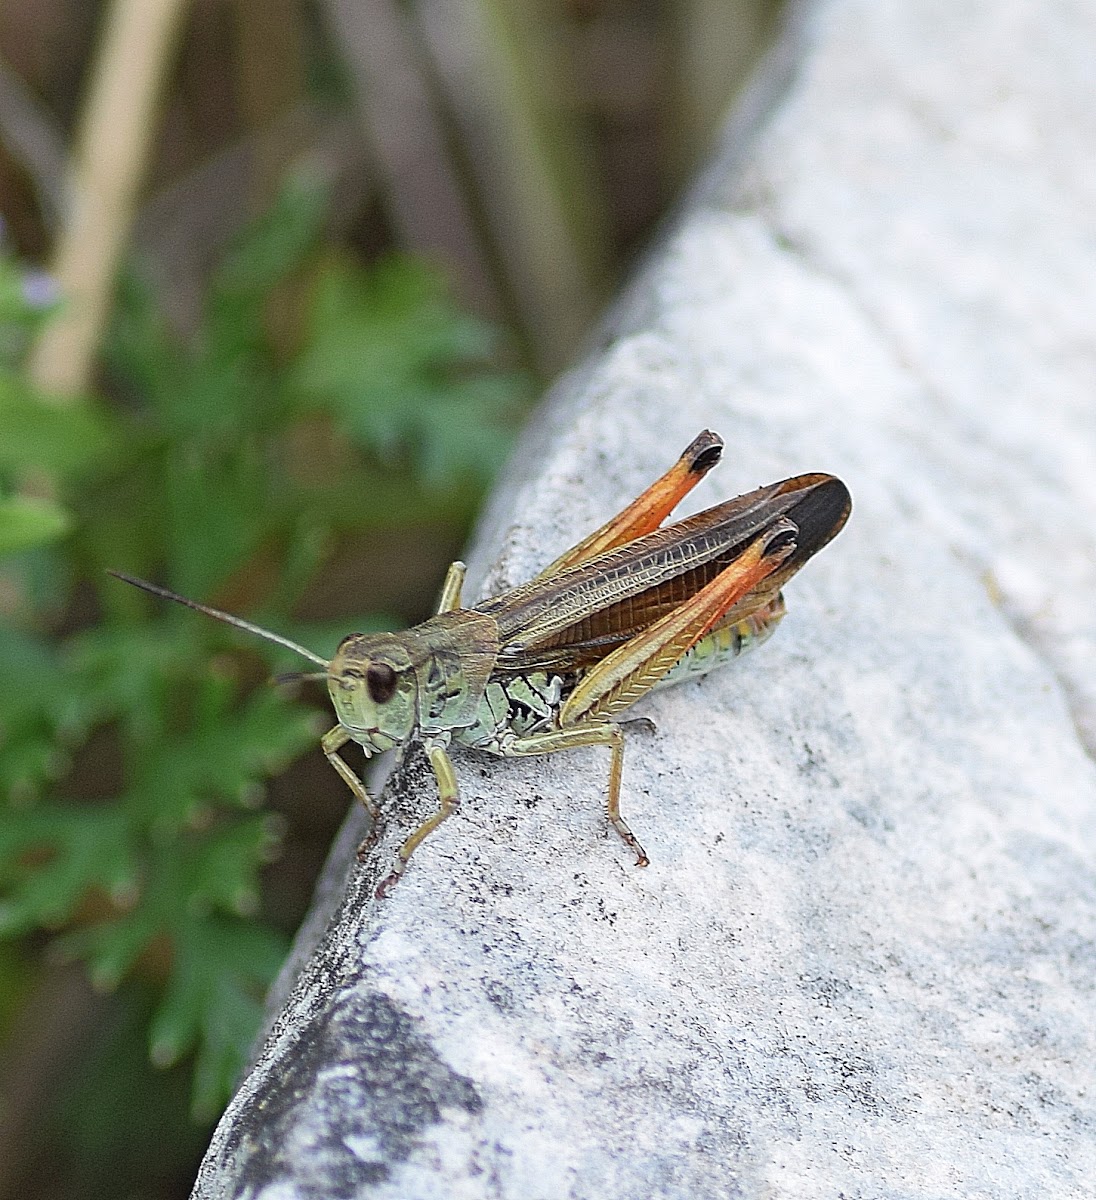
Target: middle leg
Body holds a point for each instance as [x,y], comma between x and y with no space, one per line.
[588,733]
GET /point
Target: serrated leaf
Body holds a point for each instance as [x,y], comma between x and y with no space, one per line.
[403,371]
[202,475]
[86,848]
[222,969]
[221,757]
[222,870]
[34,713]
[129,671]
[112,947]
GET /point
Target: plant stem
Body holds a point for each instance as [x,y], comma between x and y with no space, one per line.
[113,144]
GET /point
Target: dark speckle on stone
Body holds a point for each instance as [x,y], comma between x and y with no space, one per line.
[500,995]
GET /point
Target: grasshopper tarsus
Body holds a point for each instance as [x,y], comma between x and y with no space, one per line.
[631,841]
[384,888]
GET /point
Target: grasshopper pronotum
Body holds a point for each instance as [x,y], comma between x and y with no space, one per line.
[548,665]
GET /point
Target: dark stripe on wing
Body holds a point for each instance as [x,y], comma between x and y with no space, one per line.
[570,620]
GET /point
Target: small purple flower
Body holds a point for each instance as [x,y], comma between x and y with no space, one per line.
[40,290]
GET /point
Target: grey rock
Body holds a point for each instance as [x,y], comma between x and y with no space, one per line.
[862,962]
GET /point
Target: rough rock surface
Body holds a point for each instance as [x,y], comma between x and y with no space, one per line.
[863,959]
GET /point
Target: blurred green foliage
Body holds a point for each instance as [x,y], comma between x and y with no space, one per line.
[134,744]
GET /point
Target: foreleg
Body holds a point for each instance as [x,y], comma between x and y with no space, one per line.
[449,600]
[448,802]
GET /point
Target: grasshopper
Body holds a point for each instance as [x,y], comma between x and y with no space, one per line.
[548,665]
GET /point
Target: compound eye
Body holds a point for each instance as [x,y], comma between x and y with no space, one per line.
[381,681]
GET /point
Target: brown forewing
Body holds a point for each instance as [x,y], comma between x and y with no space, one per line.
[568,621]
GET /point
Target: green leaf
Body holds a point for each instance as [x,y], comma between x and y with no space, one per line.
[222,969]
[36,713]
[404,372]
[222,869]
[275,244]
[139,347]
[220,510]
[112,947]
[38,435]
[28,521]
[223,452]
[221,756]
[85,848]
[129,672]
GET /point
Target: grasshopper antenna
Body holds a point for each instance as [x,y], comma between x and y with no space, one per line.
[298,676]
[217,615]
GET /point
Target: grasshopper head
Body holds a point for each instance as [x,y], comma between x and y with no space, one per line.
[373,687]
